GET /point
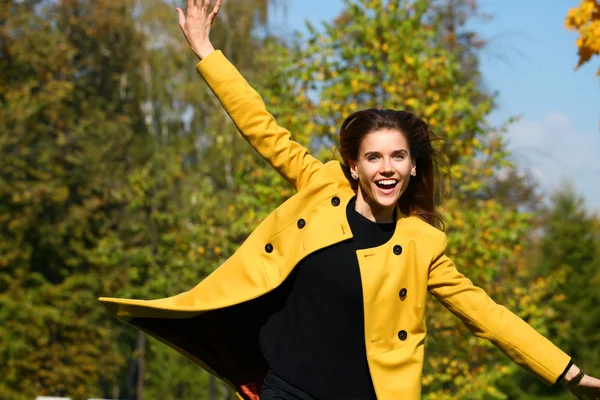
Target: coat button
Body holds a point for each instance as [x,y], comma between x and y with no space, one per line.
[403,292]
[301,223]
[335,201]
[268,247]
[402,335]
[397,249]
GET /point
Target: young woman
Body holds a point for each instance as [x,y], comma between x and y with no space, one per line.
[326,298]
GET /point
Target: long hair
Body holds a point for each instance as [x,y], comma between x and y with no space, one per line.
[420,195]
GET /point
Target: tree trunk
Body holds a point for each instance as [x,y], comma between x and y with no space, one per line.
[141,360]
[212,391]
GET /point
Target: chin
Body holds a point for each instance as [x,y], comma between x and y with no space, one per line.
[385,201]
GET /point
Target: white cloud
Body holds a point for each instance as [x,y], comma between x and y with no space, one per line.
[554,151]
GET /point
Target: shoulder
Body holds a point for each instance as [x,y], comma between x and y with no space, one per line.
[418,225]
[335,167]
[332,172]
[425,235]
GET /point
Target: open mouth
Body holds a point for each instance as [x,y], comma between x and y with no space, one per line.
[386,184]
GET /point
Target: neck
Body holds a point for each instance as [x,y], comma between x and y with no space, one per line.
[372,210]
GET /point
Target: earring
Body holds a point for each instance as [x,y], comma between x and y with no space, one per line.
[413,172]
[354,175]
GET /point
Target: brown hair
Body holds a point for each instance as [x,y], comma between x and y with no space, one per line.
[419,197]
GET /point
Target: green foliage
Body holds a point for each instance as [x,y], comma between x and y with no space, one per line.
[120,175]
[568,245]
[396,54]
[64,138]
[170,377]
[107,189]
[570,240]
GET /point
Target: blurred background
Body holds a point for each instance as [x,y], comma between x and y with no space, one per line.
[121,175]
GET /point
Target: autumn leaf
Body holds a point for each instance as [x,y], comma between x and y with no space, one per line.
[585,20]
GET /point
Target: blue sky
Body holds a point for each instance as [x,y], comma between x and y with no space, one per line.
[529,62]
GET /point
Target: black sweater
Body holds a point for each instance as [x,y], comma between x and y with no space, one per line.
[316,340]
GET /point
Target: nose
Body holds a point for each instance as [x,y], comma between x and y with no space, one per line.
[386,167]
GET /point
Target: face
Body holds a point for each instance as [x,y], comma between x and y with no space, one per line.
[383,166]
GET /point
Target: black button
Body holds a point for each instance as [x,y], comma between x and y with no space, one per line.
[335,201]
[403,292]
[402,335]
[269,247]
[397,249]
[301,223]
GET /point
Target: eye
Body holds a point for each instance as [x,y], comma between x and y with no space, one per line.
[399,156]
[372,158]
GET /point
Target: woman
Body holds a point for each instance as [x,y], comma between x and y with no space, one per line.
[325,299]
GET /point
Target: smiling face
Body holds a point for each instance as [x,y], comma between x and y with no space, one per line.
[383,167]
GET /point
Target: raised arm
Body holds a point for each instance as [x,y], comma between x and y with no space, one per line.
[243,104]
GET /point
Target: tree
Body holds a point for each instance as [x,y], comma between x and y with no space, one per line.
[396,54]
[570,240]
[211,215]
[66,121]
[106,188]
[585,19]
[121,175]
[568,245]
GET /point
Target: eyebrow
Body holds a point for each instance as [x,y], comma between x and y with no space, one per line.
[376,153]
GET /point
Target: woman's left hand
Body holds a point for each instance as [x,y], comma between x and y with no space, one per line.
[588,388]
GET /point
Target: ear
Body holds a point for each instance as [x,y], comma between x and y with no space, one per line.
[413,170]
[353,167]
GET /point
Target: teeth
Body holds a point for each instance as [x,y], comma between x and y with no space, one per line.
[387,182]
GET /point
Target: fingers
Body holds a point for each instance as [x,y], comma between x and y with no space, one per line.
[181,16]
[215,10]
[205,4]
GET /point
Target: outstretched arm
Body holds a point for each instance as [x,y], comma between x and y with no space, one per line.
[504,329]
[243,104]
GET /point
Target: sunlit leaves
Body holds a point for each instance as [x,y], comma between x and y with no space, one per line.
[585,19]
[121,175]
[397,54]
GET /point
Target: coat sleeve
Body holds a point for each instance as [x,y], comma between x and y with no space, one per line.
[247,110]
[491,321]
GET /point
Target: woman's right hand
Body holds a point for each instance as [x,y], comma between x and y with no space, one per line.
[588,388]
[196,25]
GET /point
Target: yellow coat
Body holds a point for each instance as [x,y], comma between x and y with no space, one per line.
[216,323]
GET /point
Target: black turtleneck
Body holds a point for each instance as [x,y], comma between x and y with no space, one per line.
[315,340]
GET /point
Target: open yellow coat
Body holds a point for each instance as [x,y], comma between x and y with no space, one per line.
[216,323]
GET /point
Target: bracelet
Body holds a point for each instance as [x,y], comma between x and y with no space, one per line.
[576,379]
